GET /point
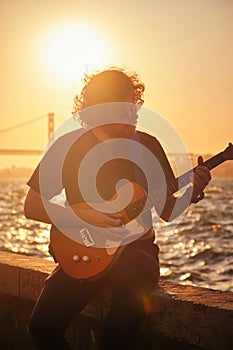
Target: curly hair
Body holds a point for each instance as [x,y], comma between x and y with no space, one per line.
[110,85]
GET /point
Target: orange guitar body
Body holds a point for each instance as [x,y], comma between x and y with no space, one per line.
[87,262]
[93,261]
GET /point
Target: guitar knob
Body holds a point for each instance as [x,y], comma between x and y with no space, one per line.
[86,258]
[76,258]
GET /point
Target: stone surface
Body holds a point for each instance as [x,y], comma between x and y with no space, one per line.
[188,318]
[23,276]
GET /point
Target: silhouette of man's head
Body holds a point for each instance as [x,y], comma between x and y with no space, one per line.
[112,85]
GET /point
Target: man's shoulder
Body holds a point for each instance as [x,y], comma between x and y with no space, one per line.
[145,137]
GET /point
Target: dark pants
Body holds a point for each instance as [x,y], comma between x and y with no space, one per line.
[132,279]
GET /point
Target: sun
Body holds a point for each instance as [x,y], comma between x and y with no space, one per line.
[71,50]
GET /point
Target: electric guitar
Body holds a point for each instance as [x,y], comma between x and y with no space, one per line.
[82,254]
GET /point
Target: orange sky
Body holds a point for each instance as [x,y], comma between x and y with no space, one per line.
[182,49]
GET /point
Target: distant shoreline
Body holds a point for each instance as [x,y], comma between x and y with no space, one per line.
[224,171]
[15,173]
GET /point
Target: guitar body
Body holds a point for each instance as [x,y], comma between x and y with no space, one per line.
[78,251]
[78,260]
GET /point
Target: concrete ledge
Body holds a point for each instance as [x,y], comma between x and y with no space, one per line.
[23,276]
[198,316]
[195,316]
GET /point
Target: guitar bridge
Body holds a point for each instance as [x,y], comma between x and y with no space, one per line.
[86,237]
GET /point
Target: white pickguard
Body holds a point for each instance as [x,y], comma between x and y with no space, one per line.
[88,238]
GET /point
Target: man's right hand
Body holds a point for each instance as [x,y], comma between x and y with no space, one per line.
[101,221]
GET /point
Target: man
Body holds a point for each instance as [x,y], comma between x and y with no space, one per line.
[107,111]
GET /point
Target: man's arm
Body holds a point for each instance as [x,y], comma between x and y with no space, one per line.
[42,209]
[37,208]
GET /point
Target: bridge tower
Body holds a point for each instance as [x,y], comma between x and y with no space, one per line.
[50,125]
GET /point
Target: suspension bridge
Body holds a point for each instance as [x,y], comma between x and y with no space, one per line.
[50,124]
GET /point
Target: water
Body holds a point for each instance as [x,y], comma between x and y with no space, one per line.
[198,251]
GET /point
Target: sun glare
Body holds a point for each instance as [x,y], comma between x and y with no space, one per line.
[70,51]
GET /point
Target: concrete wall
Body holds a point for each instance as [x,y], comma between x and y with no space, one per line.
[181,317]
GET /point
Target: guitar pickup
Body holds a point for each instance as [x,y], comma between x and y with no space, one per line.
[86,237]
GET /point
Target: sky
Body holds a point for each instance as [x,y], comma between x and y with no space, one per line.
[182,50]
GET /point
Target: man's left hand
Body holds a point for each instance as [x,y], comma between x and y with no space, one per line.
[201,178]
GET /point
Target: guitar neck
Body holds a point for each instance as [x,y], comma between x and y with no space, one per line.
[170,188]
[184,179]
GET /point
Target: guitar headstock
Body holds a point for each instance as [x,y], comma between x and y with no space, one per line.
[228,152]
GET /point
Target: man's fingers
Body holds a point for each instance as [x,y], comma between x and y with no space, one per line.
[115,215]
[113,222]
[203,173]
[200,160]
